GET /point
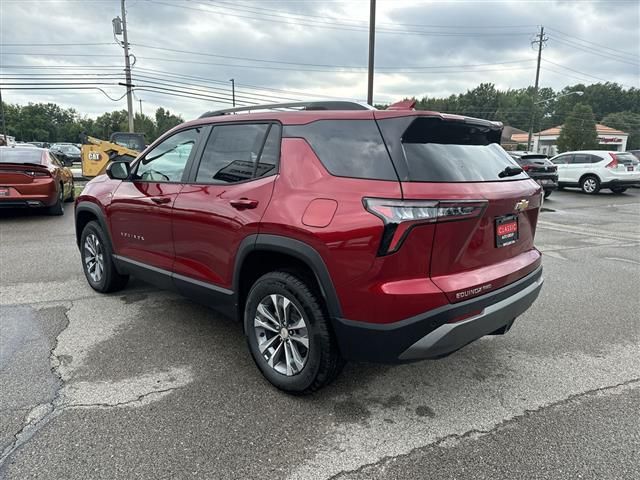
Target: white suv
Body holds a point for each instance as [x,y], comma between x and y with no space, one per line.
[592,170]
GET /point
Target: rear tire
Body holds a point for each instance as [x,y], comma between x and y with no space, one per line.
[547,193]
[58,207]
[291,314]
[97,260]
[618,189]
[590,184]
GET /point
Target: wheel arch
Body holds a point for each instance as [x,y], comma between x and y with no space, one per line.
[589,174]
[85,213]
[261,253]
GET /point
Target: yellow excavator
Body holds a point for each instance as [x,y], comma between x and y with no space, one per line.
[97,154]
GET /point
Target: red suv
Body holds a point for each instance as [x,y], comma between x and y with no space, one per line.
[335,231]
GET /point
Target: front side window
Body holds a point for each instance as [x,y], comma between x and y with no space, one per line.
[561,160]
[167,161]
[236,153]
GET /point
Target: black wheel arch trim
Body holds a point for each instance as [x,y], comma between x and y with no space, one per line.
[298,249]
[97,212]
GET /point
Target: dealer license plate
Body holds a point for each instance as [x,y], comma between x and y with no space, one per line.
[4,192]
[506,230]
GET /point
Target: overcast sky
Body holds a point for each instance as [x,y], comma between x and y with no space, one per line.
[303,49]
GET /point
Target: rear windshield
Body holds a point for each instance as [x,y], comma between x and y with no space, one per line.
[626,158]
[20,155]
[437,150]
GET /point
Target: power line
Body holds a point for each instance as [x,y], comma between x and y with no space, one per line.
[54,44]
[599,45]
[584,48]
[343,26]
[578,71]
[325,67]
[248,8]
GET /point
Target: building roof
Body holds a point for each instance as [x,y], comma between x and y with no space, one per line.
[600,129]
[520,137]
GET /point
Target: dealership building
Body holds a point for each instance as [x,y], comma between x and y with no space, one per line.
[546,141]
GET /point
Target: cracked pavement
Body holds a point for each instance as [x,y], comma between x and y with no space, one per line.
[146,384]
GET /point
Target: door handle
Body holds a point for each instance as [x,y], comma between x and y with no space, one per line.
[161,200]
[243,203]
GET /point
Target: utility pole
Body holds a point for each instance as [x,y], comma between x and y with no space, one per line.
[140,100]
[233,91]
[372,44]
[127,66]
[540,40]
[4,125]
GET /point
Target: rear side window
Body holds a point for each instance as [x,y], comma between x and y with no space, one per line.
[347,148]
[236,153]
[437,150]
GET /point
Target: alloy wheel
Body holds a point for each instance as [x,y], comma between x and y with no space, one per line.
[282,334]
[589,185]
[94,257]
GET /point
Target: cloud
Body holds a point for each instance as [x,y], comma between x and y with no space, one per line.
[587,42]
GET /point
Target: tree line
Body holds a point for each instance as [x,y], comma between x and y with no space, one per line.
[48,122]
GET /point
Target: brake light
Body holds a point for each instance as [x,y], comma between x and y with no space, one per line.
[526,168]
[400,216]
[613,163]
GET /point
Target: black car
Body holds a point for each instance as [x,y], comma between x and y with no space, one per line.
[67,153]
[539,168]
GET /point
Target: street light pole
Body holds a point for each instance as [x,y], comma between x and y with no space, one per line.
[372,44]
[233,91]
[127,68]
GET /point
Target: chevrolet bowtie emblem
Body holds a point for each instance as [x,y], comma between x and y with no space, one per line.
[521,206]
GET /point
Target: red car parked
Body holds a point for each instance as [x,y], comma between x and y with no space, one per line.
[34,177]
[336,232]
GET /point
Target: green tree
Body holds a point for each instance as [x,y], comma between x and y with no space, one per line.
[145,125]
[579,130]
[628,122]
[166,121]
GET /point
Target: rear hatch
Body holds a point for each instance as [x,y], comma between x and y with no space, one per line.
[487,207]
[625,162]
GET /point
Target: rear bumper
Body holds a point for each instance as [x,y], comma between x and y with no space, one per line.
[431,335]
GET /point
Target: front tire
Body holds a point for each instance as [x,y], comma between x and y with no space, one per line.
[97,260]
[289,335]
[618,189]
[590,184]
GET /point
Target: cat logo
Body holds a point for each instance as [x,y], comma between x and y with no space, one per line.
[522,205]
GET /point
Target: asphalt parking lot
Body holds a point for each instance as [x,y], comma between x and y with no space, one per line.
[145,384]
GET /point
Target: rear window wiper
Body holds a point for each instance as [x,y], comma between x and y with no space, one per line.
[510,172]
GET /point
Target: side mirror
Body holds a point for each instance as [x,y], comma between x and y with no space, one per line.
[118,170]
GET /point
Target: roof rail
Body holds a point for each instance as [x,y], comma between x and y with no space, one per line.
[295,106]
